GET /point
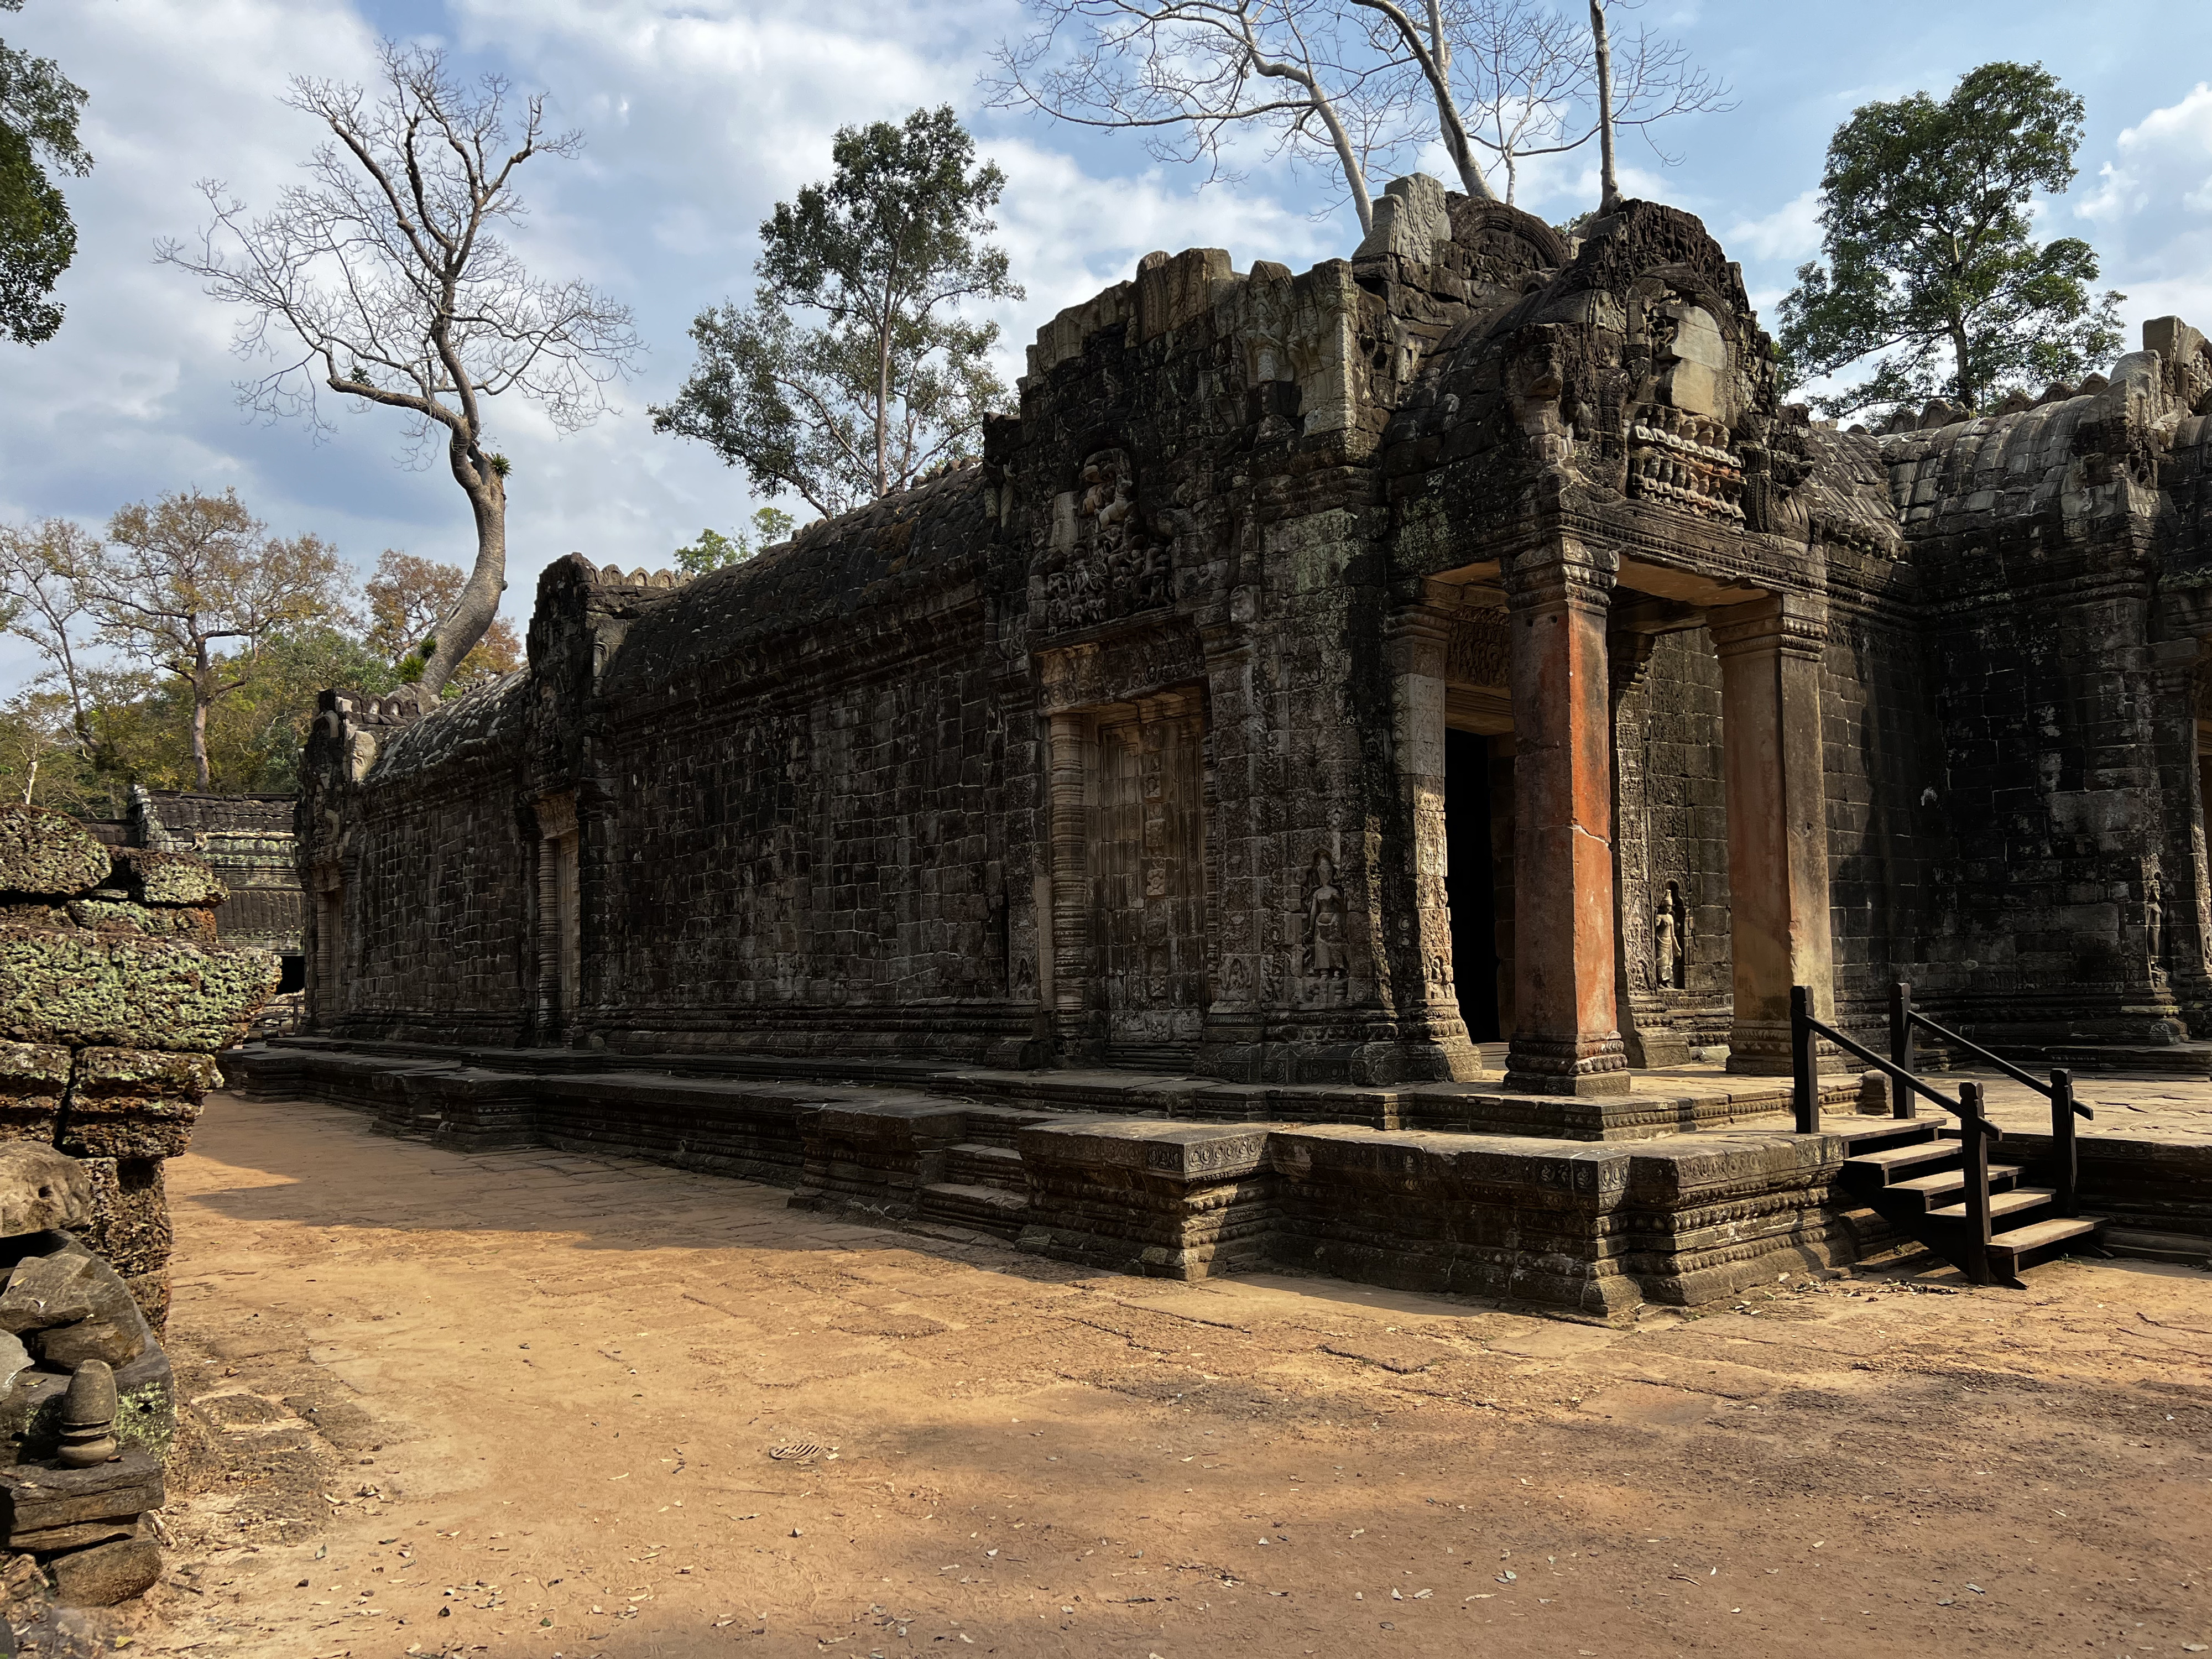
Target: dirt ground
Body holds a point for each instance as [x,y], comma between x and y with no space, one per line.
[528,1404]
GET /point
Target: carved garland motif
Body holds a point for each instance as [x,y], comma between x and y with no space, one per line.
[1683,461]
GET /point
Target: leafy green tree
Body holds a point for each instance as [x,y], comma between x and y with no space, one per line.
[38,109]
[187,578]
[891,382]
[712,550]
[1931,267]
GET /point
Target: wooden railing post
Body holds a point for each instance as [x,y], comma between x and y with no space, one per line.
[1977,1148]
[2063,1151]
[1804,1068]
[1901,1101]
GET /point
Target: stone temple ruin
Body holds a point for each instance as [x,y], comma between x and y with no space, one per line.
[1327,787]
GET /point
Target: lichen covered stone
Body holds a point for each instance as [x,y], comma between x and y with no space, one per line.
[167,877]
[195,923]
[47,852]
[115,990]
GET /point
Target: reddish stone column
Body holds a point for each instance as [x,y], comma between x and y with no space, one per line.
[1778,820]
[1566,1038]
[1429,1023]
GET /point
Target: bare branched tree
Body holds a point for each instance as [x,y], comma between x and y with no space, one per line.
[382,279]
[1362,85]
[43,568]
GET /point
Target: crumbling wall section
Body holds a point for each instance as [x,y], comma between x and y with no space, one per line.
[114,997]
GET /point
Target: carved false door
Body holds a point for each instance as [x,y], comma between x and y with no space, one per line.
[1148,879]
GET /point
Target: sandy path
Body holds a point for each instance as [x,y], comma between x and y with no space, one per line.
[541,1389]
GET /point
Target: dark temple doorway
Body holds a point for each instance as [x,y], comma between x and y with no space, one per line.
[1469,883]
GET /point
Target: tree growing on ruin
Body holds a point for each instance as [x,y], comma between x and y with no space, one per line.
[855,370]
[194,587]
[407,596]
[38,108]
[1357,86]
[1932,269]
[384,279]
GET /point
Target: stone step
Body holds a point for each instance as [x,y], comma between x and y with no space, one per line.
[987,1209]
[974,1164]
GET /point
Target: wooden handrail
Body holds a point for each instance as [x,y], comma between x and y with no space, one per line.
[2059,1092]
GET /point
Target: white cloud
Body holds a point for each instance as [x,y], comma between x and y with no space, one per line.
[2150,214]
[1792,232]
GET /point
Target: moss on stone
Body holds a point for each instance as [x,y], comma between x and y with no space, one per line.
[115,990]
[47,852]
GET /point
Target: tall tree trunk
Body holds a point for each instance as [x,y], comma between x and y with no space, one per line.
[479,604]
[1609,195]
[1969,396]
[201,698]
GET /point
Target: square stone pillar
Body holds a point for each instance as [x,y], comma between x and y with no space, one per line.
[1566,1038]
[1779,931]
[1425,992]
[1067,989]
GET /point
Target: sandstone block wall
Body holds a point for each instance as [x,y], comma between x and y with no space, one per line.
[114,997]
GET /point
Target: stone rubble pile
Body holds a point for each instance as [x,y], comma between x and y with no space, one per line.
[114,999]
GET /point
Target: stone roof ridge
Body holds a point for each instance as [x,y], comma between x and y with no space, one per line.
[438,734]
[614,576]
[1951,470]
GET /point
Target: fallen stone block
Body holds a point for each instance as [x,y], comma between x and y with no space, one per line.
[97,990]
[33,1078]
[34,1497]
[107,1573]
[167,877]
[190,923]
[47,852]
[41,1190]
[45,1290]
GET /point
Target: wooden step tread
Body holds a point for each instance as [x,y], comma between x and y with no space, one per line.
[2053,1232]
[1885,1162]
[2001,1204]
[1947,1180]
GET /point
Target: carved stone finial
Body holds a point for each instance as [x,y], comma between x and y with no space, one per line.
[88,1417]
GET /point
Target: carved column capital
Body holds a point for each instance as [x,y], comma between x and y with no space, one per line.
[1563,573]
[1795,623]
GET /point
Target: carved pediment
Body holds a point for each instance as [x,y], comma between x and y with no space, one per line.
[1103,563]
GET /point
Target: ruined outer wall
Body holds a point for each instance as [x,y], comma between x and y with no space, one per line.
[796,803]
[431,869]
[2034,536]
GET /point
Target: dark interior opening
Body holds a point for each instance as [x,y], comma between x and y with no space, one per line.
[1473,901]
[294,967]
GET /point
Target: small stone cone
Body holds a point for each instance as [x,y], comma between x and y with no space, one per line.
[88,1417]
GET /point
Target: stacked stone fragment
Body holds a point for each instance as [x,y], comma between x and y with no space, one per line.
[114,999]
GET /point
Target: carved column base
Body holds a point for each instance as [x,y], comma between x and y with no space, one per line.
[1760,1048]
[1582,1065]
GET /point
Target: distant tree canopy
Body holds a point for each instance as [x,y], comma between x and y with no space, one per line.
[712,550]
[853,373]
[185,650]
[38,108]
[1932,270]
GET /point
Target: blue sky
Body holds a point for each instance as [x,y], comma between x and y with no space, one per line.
[700,114]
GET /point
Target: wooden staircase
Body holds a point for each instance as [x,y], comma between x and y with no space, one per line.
[1913,1172]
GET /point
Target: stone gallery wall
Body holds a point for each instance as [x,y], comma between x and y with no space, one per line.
[114,997]
[1124,745]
